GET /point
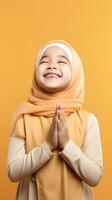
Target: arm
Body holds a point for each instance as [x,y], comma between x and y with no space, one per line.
[86,162]
[19,164]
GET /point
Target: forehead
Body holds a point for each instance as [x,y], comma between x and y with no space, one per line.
[51,51]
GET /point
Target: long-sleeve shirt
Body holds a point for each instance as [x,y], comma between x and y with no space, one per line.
[86,162]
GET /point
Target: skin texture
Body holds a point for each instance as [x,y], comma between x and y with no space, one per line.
[53,75]
[58,135]
[54,70]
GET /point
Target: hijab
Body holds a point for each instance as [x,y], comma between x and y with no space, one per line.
[43,103]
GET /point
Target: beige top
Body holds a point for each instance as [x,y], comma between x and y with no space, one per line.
[86,162]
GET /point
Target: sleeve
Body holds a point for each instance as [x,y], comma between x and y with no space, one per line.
[86,162]
[19,164]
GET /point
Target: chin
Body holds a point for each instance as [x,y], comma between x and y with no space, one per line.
[53,90]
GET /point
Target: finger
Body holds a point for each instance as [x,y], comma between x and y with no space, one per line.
[62,110]
[58,125]
[55,123]
[58,104]
[57,110]
[61,116]
[59,107]
[55,114]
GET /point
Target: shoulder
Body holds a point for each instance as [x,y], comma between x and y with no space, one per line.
[92,118]
[89,117]
[92,121]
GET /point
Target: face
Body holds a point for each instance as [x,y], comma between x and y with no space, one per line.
[54,70]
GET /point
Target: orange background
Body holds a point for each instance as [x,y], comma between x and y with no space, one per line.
[25,25]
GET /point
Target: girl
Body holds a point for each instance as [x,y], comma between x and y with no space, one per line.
[55,149]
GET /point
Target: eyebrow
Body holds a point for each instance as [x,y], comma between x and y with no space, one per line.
[46,56]
[64,57]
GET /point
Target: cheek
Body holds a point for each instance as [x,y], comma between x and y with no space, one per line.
[38,75]
[68,74]
[39,71]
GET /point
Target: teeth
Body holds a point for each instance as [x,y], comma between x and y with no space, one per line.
[51,75]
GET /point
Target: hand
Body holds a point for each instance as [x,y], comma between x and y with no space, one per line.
[63,136]
[52,139]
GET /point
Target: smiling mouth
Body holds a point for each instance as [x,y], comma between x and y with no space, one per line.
[52,75]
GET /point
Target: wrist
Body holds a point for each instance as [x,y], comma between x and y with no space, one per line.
[50,146]
[62,146]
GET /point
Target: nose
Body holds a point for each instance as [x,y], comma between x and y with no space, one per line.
[52,66]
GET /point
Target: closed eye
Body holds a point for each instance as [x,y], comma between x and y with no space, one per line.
[42,62]
[62,62]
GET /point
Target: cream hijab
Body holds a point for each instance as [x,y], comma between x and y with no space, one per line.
[42,103]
